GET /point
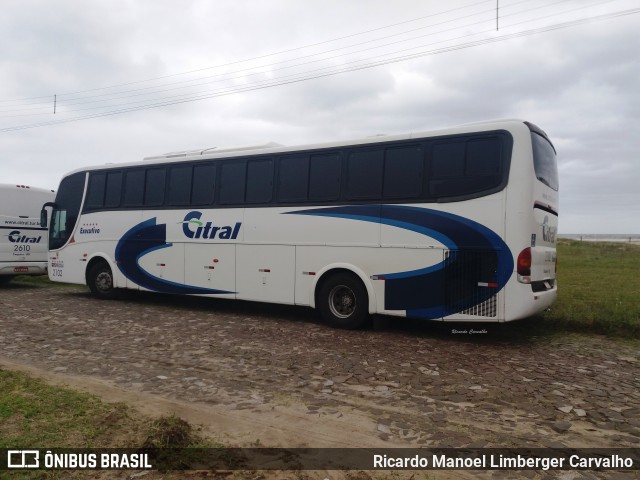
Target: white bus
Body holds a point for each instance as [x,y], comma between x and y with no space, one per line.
[456,224]
[23,242]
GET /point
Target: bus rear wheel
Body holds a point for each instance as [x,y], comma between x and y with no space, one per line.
[100,281]
[343,301]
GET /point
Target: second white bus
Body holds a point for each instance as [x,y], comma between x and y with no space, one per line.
[23,242]
[456,224]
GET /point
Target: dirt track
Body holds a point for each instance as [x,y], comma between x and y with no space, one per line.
[276,375]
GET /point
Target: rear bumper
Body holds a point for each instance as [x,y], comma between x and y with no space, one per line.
[23,268]
[523,301]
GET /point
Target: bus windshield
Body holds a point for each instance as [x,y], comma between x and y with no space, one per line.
[544,161]
[66,210]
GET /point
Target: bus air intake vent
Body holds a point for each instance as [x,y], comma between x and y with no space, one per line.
[471,282]
[488,308]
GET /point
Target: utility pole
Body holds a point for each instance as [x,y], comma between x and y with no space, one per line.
[497,7]
[55,102]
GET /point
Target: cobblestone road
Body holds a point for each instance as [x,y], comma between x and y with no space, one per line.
[401,384]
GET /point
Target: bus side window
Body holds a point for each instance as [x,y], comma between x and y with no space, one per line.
[447,160]
[95,191]
[484,157]
[403,172]
[154,187]
[232,182]
[470,167]
[483,168]
[259,181]
[203,188]
[364,174]
[133,193]
[113,190]
[293,179]
[179,186]
[325,171]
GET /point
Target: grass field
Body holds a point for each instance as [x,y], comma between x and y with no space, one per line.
[34,414]
[598,289]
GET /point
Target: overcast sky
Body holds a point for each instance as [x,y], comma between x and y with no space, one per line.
[243,70]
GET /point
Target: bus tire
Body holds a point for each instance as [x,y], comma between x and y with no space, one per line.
[100,281]
[343,301]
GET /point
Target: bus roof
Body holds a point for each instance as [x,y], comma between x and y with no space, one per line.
[274,148]
[14,187]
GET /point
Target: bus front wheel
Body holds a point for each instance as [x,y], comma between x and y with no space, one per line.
[343,301]
[100,281]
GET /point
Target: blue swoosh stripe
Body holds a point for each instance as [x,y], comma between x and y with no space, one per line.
[477,254]
[141,240]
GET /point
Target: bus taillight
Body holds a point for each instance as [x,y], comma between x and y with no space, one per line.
[524,266]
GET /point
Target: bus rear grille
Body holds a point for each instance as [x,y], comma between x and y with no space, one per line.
[471,282]
[488,308]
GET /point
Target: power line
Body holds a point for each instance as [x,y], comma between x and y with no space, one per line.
[245,73]
[322,69]
[304,76]
[259,57]
[87,99]
[154,89]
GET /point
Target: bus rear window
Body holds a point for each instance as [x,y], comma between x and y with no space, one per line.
[544,161]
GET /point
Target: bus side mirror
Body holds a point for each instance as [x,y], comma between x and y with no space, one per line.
[43,218]
[44,214]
